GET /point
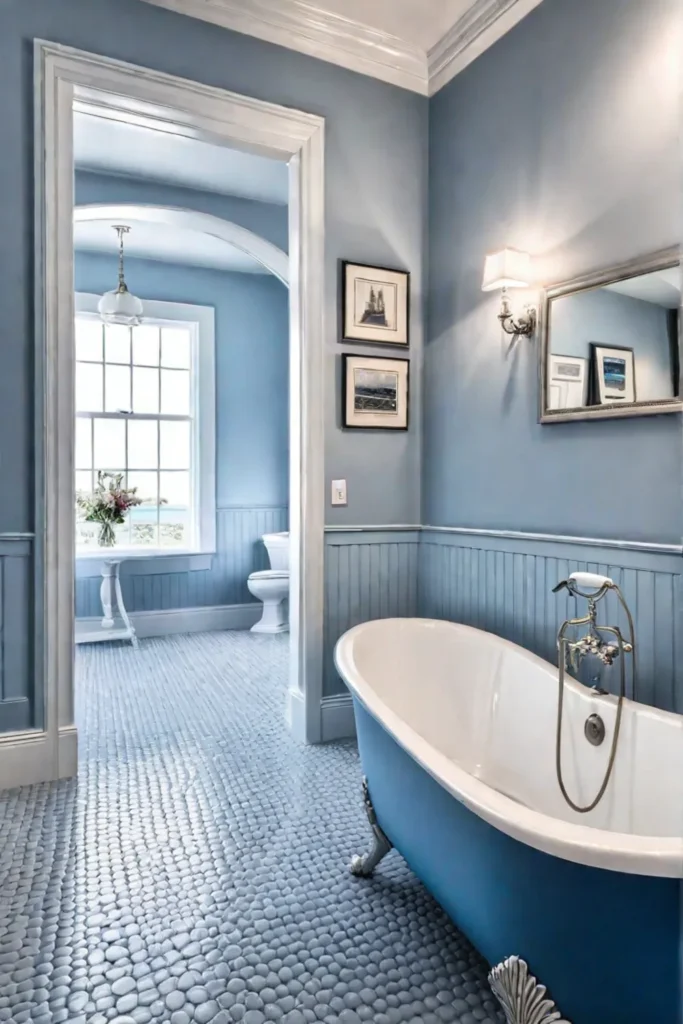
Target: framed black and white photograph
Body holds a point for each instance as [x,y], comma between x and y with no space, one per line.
[375,304]
[375,392]
[614,378]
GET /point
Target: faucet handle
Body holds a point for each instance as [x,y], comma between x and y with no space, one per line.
[591,580]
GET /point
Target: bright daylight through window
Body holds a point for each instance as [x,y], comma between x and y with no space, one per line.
[136,414]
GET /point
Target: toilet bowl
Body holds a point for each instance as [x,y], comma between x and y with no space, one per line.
[271,586]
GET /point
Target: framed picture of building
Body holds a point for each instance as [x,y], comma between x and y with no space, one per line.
[375,304]
[375,392]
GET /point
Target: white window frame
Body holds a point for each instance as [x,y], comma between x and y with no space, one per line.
[203,481]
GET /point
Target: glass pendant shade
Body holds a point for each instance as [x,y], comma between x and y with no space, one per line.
[120,306]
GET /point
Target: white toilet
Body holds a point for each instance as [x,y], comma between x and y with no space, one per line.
[272,585]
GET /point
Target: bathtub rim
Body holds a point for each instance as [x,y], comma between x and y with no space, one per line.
[654,856]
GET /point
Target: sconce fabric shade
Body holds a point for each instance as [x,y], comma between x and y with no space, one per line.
[508,268]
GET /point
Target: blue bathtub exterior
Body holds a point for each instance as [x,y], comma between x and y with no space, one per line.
[606,944]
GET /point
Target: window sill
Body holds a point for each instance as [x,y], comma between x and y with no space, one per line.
[142,562]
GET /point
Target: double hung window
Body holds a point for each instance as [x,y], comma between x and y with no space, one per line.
[145,408]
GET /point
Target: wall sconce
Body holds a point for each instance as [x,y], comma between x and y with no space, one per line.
[510,268]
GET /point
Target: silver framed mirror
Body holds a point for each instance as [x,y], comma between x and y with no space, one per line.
[610,342]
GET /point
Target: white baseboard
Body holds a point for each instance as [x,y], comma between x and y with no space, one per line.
[296,715]
[183,620]
[32,756]
[338,722]
[67,752]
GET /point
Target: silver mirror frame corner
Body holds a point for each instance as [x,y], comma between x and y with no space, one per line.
[660,260]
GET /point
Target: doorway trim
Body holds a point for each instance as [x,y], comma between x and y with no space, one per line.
[65,77]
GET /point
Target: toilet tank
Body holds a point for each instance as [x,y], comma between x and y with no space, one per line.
[277,546]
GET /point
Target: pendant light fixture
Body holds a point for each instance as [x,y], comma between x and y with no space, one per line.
[120,306]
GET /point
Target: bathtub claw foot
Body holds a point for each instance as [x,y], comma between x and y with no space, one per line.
[363,866]
[523,999]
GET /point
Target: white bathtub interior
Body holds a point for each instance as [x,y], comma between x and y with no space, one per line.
[489,707]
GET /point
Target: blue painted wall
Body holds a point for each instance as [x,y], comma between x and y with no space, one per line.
[608,318]
[561,140]
[376,186]
[269,220]
[527,149]
[252,447]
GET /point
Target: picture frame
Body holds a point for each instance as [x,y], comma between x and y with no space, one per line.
[567,385]
[375,304]
[375,392]
[613,375]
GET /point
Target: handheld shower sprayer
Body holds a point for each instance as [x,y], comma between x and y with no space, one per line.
[593,589]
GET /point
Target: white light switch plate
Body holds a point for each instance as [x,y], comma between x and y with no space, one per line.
[339,492]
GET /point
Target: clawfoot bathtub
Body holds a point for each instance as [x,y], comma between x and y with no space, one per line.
[456,731]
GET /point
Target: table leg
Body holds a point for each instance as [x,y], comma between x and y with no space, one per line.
[122,609]
[109,571]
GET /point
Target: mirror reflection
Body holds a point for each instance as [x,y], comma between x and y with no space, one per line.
[614,344]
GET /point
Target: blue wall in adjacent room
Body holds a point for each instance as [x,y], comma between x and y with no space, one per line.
[561,140]
[252,426]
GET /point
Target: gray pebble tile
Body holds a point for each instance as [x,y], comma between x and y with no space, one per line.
[169,886]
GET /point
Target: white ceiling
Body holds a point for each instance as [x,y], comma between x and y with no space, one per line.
[168,244]
[422,21]
[662,287]
[416,44]
[116,147]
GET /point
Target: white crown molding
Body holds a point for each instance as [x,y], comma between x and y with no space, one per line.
[483,24]
[299,25]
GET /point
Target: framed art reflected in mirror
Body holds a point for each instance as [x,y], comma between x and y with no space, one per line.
[613,375]
[610,342]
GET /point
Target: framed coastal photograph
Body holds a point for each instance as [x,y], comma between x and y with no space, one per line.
[375,304]
[375,392]
[614,378]
[567,382]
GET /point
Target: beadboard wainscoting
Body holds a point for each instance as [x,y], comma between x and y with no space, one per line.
[16,600]
[369,574]
[504,585]
[175,582]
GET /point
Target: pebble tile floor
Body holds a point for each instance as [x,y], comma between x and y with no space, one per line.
[197,870]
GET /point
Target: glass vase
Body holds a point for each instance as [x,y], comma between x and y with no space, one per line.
[107,537]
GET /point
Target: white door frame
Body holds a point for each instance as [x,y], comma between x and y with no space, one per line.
[64,76]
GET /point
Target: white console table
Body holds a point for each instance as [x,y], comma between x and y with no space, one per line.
[115,624]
